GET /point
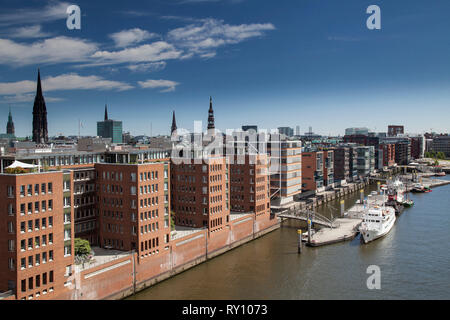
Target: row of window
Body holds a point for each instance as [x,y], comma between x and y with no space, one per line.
[150,244]
[151,175]
[85,213]
[35,242]
[149,228]
[149,202]
[117,176]
[43,188]
[83,175]
[148,189]
[35,260]
[38,224]
[36,281]
[85,226]
[41,206]
[149,215]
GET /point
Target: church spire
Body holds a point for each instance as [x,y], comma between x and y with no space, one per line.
[39,86]
[10,124]
[210,115]
[174,123]
[106,112]
[40,132]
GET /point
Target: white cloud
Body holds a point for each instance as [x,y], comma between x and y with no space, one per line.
[203,39]
[71,81]
[53,50]
[129,37]
[167,85]
[147,67]
[28,32]
[27,97]
[156,51]
[53,11]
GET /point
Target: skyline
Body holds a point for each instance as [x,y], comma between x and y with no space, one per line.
[316,62]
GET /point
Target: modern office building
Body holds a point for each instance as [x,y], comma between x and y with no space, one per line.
[328,168]
[250,127]
[417,146]
[110,128]
[394,130]
[286,171]
[312,170]
[365,160]
[386,154]
[441,144]
[357,131]
[287,131]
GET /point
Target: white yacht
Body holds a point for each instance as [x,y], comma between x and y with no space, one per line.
[377,222]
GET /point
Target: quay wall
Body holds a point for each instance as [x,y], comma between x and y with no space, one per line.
[129,274]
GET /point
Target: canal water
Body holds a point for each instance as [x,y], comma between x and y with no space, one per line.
[414,259]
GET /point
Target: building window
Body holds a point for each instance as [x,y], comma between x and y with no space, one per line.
[10,191]
[11,245]
[10,209]
[10,227]
[50,187]
[67,251]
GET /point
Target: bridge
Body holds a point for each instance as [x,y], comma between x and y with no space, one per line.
[304,215]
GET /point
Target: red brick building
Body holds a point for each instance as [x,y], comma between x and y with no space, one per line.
[133,204]
[200,195]
[312,170]
[250,185]
[386,155]
[36,236]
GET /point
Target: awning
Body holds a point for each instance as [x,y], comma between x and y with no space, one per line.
[17,164]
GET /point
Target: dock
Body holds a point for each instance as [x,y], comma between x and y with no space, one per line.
[346,231]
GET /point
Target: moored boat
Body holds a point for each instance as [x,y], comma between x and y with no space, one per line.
[378,221]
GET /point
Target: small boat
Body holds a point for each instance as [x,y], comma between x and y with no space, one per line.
[440,174]
[418,188]
[408,203]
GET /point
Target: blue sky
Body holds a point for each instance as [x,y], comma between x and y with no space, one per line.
[270,63]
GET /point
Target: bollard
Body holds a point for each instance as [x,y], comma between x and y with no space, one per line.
[309,231]
[342,207]
[300,244]
[378,186]
[361,197]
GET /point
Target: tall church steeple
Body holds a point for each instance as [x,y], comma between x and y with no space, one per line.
[174,124]
[210,115]
[106,112]
[10,124]
[40,132]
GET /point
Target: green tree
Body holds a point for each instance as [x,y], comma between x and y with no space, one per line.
[82,247]
[172,221]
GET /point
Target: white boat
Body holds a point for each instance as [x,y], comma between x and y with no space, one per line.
[397,191]
[377,222]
